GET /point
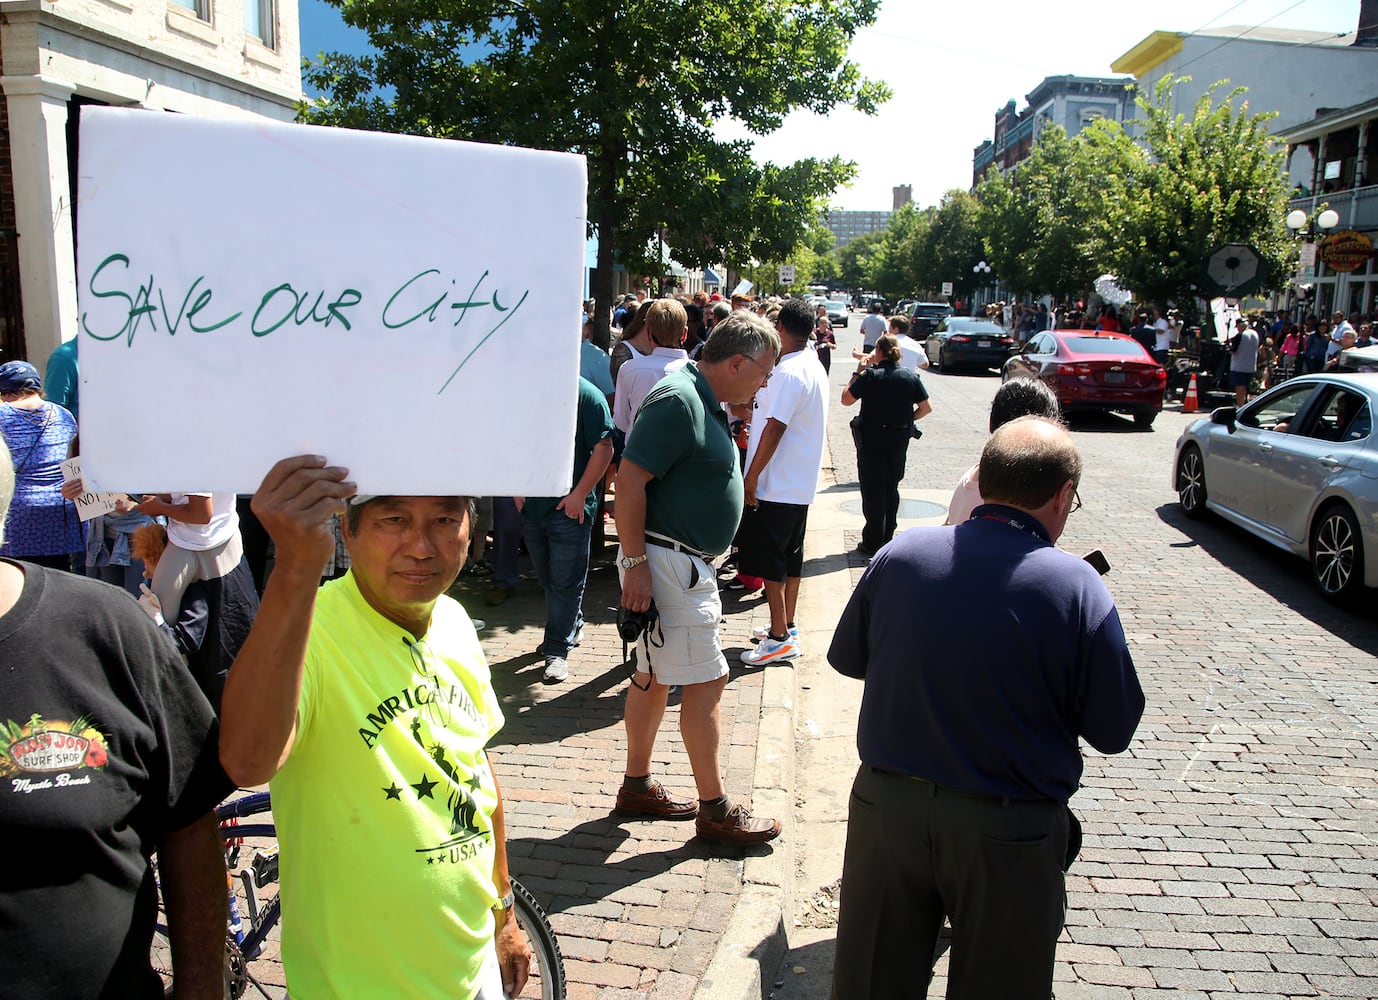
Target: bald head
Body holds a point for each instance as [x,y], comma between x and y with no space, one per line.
[1030,463]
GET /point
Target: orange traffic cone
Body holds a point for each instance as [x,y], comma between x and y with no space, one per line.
[1189,402]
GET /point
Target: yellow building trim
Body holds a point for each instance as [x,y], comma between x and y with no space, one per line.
[1153,51]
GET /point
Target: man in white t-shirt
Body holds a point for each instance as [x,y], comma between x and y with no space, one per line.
[912,354]
[1162,336]
[784,455]
[667,323]
[872,327]
[203,541]
[1337,331]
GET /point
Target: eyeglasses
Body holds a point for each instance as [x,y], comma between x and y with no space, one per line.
[1076,500]
[766,373]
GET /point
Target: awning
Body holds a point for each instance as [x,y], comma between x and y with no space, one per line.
[710,277]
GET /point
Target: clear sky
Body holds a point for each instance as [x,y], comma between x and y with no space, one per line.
[952,66]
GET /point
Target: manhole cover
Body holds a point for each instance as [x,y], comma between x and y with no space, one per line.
[909,509]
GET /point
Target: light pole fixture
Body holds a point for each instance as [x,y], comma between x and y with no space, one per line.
[981,271]
[1306,228]
[1326,221]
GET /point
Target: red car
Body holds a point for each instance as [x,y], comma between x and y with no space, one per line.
[1094,370]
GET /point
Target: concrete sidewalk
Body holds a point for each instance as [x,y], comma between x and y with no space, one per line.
[645,907]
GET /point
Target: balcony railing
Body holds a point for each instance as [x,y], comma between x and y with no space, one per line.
[1357,207]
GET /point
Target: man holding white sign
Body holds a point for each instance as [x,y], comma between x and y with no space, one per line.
[368,704]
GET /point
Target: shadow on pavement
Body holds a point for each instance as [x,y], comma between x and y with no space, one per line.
[806,972]
[573,869]
[1286,578]
[1094,422]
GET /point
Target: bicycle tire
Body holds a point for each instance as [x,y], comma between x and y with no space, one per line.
[547,963]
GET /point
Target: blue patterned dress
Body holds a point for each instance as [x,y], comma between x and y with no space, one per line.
[40,522]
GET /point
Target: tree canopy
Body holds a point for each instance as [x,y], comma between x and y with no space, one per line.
[1148,200]
[637,87]
[1187,187]
[1035,221]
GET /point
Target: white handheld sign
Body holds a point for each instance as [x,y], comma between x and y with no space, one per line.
[250,290]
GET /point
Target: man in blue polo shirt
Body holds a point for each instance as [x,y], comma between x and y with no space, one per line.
[968,735]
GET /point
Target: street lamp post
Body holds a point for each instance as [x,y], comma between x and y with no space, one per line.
[1306,228]
[982,271]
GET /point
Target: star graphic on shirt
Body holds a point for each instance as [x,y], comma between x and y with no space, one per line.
[474,782]
[424,786]
[393,792]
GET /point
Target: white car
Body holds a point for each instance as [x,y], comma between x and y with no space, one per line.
[1298,467]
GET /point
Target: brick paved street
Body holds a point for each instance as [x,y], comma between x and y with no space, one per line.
[1234,849]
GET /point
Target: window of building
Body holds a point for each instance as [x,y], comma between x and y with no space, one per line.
[201,8]
[258,20]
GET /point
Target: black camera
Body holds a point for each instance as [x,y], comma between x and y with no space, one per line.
[630,624]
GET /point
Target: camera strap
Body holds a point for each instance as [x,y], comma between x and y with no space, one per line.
[650,668]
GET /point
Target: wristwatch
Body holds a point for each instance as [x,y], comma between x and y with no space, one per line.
[505,903]
[629,561]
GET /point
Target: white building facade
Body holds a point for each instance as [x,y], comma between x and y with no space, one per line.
[1294,74]
[216,58]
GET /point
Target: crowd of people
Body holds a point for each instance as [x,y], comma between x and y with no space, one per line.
[342,674]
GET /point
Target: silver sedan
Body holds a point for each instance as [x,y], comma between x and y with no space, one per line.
[1298,467]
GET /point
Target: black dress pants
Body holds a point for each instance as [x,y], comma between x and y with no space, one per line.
[880,467]
[916,851]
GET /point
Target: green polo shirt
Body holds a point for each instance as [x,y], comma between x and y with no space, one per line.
[592,425]
[680,437]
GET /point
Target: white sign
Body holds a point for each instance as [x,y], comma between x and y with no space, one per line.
[1308,260]
[947,288]
[786,274]
[250,290]
[89,504]
[744,287]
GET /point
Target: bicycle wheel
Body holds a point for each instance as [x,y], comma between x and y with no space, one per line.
[160,957]
[160,954]
[547,981]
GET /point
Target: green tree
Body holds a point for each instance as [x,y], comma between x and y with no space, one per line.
[858,261]
[949,247]
[1184,188]
[635,86]
[1036,220]
[894,270]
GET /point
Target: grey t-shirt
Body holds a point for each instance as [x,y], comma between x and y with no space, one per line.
[1245,356]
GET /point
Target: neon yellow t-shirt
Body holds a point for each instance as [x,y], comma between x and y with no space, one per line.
[384,807]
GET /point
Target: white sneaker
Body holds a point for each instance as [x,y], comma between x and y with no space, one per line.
[771,650]
[760,632]
[479,624]
[578,635]
[556,669]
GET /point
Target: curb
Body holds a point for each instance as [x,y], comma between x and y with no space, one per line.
[755,940]
[753,943]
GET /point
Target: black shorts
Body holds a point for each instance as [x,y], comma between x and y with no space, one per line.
[771,541]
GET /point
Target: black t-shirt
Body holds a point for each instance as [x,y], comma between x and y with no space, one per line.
[107,745]
[888,394]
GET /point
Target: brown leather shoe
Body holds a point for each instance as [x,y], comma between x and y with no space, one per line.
[738,827]
[656,803]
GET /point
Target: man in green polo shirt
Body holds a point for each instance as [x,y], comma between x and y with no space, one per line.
[679,500]
[368,705]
